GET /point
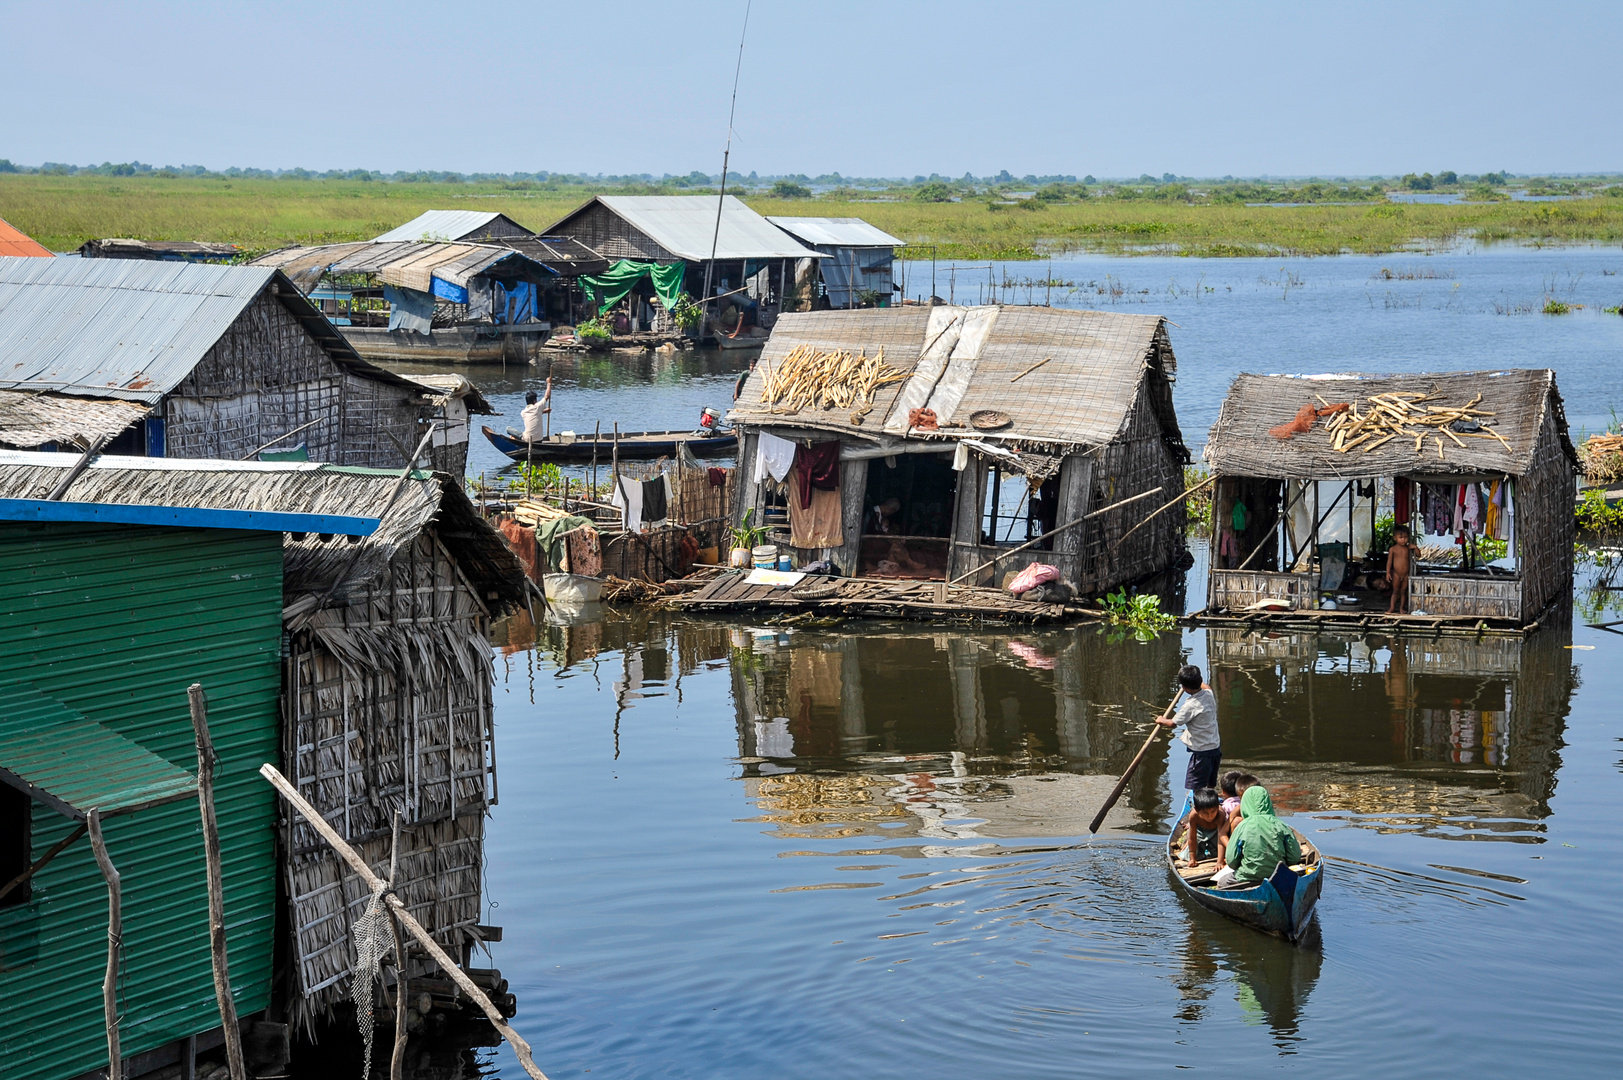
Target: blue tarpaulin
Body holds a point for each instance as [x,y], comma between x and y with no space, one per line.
[457,294]
[409,309]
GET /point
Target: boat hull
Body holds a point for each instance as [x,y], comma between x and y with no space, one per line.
[1283,905]
[634,446]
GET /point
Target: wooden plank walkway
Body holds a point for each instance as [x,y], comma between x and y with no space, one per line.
[727,590]
[1421,625]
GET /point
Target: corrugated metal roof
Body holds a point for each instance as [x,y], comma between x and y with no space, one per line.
[124,328]
[685,225]
[406,263]
[13,241]
[75,765]
[835,231]
[440,225]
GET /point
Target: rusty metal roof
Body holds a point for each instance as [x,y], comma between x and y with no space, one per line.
[75,765]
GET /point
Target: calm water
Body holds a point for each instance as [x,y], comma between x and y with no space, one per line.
[736,850]
[728,850]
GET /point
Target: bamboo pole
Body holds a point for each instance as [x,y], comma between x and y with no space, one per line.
[397,1060]
[398,908]
[1053,532]
[1121,785]
[79,467]
[206,762]
[1167,506]
[115,943]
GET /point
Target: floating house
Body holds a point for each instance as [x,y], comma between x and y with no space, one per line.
[1478,464]
[753,258]
[159,250]
[858,258]
[378,696]
[183,360]
[426,300]
[14,241]
[455,226]
[997,426]
[115,607]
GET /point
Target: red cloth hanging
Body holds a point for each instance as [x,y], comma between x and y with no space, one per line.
[1402,497]
[819,467]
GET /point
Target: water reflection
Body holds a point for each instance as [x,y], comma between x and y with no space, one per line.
[1270,979]
[1451,737]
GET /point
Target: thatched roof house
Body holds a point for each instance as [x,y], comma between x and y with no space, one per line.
[1409,447]
[185,360]
[931,484]
[386,688]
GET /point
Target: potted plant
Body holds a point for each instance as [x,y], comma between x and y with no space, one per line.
[745,537]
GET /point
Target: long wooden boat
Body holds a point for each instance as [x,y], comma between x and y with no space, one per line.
[634,446]
[1282,905]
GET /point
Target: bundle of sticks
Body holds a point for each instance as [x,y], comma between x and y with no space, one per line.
[811,378]
[1602,457]
[1404,416]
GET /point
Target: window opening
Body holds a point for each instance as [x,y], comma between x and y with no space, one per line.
[16,843]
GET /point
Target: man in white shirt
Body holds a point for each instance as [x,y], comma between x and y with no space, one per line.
[535,416]
[1198,718]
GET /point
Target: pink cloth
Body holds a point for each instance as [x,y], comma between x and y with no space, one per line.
[1032,576]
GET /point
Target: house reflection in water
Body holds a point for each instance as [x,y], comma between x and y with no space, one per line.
[947,735]
[1449,736]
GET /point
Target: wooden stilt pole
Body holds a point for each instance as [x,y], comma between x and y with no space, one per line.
[206,762]
[115,943]
[398,907]
[397,1061]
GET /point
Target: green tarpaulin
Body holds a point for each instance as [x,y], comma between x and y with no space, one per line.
[611,286]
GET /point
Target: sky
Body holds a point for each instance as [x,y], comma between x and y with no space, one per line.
[862,89]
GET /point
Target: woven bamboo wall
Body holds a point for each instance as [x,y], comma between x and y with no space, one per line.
[1138,461]
[1545,528]
[1237,589]
[1451,594]
[611,235]
[389,707]
[265,377]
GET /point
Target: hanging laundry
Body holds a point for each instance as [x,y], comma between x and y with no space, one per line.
[819,466]
[628,497]
[1457,525]
[655,500]
[814,514]
[1402,497]
[1491,511]
[583,551]
[718,476]
[1471,504]
[774,457]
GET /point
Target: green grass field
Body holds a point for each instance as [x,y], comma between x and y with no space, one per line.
[62,212]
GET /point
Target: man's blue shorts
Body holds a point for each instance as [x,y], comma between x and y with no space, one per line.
[1202,770]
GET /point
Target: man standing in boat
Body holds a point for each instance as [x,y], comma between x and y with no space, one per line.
[535,416]
[1198,718]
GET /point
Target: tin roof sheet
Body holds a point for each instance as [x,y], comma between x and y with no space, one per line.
[685,225]
[835,231]
[406,263]
[440,225]
[73,764]
[124,328]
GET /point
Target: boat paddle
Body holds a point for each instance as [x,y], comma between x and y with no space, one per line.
[1121,785]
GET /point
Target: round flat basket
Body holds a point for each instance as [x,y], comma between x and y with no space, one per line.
[814,589]
[989,420]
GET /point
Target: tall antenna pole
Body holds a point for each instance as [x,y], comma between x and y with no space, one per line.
[721,200]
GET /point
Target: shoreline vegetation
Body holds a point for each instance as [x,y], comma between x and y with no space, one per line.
[998,218]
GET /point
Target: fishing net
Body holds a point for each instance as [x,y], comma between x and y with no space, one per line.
[374,939]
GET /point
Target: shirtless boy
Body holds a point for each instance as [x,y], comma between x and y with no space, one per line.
[1399,560]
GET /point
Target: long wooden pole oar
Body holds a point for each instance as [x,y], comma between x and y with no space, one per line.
[1121,785]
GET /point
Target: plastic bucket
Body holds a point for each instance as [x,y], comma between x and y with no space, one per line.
[785,564]
[766,556]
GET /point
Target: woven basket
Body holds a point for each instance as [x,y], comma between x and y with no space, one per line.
[815,590]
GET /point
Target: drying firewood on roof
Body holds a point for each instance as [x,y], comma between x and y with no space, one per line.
[1402,415]
[809,377]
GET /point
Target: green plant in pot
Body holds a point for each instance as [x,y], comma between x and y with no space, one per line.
[594,333]
[744,539]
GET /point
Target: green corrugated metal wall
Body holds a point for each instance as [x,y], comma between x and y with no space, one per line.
[116,622]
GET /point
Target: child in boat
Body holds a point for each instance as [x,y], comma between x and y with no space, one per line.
[1208,830]
[1232,786]
[1258,844]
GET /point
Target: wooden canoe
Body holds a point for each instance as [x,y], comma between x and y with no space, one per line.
[634,446]
[1282,905]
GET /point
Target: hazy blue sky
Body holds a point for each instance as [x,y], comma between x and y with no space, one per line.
[872,88]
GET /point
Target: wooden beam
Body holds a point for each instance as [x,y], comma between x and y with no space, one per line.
[206,762]
[115,943]
[56,849]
